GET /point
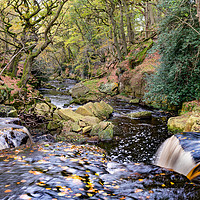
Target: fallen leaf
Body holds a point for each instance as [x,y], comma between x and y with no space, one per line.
[6,191]
[7,185]
[138,190]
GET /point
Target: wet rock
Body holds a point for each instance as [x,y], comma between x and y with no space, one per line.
[13,135]
[109,88]
[68,114]
[8,111]
[79,90]
[104,130]
[142,114]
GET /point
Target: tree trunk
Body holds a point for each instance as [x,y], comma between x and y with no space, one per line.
[14,64]
[114,27]
[27,69]
[147,20]
[131,34]
[122,29]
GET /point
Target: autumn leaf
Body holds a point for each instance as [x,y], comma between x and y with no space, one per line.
[6,191]
[163,185]
[138,190]
[61,194]
[34,172]
[78,194]
[7,185]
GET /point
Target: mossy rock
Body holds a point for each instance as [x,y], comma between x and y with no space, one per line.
[87,129]
[141,115]
[90,121]
[7,111]
[68,114]
[134,101]
[56,116]
[54,125]
[82,110]
[177,124]
[104,130]
[184,123]
[107,108]
[79,101]
[42,109]
[75,127]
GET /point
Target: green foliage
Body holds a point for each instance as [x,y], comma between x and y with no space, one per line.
[177,78]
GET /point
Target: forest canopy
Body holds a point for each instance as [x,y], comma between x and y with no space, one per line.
[79,35]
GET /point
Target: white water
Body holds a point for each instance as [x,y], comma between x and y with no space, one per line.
[171,155]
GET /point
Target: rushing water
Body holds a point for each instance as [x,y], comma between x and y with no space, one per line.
[59,94]
[118,169]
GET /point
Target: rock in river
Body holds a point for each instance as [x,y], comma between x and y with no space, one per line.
[13,135]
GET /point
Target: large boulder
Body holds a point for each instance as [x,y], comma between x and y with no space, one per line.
[79,90]
[189,119]
[7,111]
[82,110]
[109,88]
[185,123]
[101,110]
[90,121]
[68,114]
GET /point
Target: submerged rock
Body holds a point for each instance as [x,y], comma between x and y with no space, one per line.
[142,114]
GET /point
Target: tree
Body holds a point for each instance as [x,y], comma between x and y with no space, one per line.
[177,78]
[34,20]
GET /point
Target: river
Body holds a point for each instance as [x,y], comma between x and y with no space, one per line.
[118,169]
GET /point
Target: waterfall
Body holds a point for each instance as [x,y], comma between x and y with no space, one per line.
[171,155]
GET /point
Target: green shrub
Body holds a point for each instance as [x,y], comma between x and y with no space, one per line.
[177,78]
